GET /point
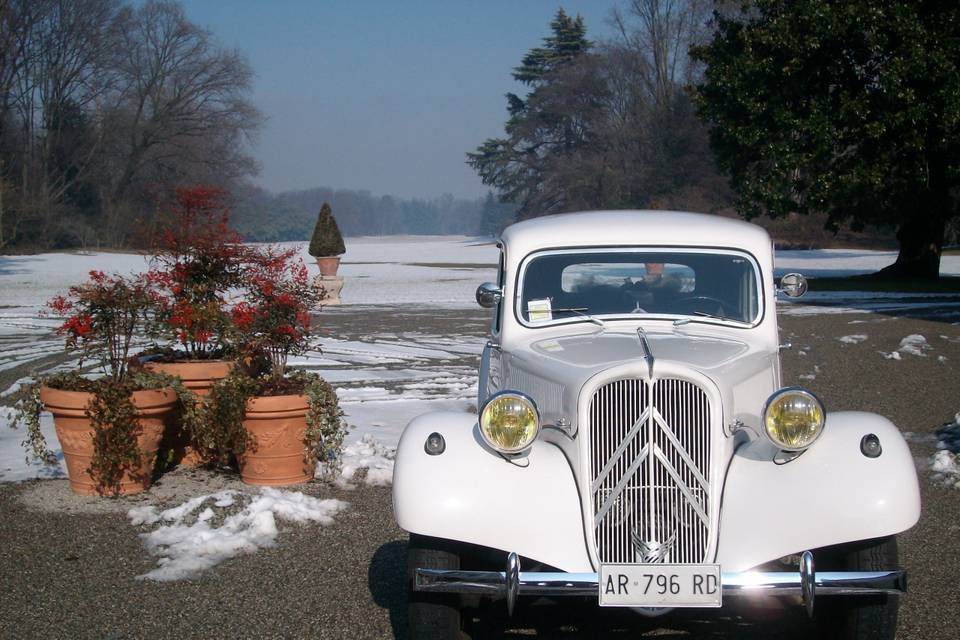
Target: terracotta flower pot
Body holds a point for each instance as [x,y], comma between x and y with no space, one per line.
[279,425]
[75,434]
[197,375]
[328,265]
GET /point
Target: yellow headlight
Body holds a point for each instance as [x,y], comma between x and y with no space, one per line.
[509,422]
[793,419]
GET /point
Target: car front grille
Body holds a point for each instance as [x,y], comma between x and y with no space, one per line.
[650,458]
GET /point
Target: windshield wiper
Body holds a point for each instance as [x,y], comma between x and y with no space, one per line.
[715,316]
[580,312]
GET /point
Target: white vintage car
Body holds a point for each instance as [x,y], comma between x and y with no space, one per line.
[636,445]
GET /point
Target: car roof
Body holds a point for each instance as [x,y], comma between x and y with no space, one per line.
[631,228]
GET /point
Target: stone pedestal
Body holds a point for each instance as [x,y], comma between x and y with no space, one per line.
[333,286]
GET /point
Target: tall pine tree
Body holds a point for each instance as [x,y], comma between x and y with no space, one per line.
[537,132]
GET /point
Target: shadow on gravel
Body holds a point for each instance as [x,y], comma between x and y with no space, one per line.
[385,579]
[586,621]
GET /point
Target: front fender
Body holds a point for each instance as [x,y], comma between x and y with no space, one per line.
[470,494]
[829,495]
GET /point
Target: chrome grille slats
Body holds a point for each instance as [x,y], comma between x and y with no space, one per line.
[650,452]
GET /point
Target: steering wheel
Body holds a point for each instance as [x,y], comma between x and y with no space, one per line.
[693,302]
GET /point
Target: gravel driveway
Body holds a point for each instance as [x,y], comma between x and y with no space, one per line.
[69,573]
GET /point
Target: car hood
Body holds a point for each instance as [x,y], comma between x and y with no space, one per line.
[602,350]
[554,370]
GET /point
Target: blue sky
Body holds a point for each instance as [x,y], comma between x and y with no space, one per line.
[377,95]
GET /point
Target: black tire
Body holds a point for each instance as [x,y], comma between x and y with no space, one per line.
[857,617]
[432,616]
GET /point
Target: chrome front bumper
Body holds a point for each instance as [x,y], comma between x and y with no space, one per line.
[805,582]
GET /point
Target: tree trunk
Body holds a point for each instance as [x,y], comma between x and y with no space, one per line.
[921,241]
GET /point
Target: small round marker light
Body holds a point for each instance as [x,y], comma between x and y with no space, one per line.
[870,446]
[435,444]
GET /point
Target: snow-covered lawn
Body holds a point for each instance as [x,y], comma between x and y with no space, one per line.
[824,263]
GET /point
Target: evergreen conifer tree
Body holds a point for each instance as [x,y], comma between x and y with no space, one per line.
[326,239]
[536,131]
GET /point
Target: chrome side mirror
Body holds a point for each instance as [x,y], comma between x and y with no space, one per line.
[489,295]
[793,285]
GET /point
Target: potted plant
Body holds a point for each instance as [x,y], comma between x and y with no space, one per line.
[109,427]
[198,264]
[278,423]
[198,261]
[326,243]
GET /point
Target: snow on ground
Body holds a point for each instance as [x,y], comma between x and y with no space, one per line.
[932,305]
[207,530]
[14,465]
[427,270]
[856,338]
[915,345]
[370,454]
[945,463]
[825,263]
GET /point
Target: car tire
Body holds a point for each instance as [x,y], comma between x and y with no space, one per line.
[432,616]
[857,617]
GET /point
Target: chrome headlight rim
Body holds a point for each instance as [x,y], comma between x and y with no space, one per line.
[520,396]
[795,391]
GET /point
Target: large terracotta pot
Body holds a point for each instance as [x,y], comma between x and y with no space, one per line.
[197,375]
[328,265]
[279,425]
[75,434]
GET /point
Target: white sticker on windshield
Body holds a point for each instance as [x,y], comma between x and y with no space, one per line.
[539,310]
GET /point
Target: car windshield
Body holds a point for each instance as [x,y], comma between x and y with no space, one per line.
[592,284]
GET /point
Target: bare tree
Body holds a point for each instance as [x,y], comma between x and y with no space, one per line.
[55,67]
[661,33]
[180,110]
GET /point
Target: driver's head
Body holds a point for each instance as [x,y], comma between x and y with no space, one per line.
[654,272]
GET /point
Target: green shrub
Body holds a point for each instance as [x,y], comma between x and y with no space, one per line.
[326,239]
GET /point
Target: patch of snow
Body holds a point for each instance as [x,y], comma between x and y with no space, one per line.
[808,376]
[385,420]
[186,546]
[370,454]
[893,355]
[914,344]
[14,464]
[945,463]
[844,262]
[856,338]
[941,359]
[348,394]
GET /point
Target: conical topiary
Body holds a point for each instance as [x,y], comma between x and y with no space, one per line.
[326,239]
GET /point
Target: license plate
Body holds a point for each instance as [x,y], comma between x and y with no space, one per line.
[660,585]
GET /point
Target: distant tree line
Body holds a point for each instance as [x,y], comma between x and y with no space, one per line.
[266,217]
[105,106]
